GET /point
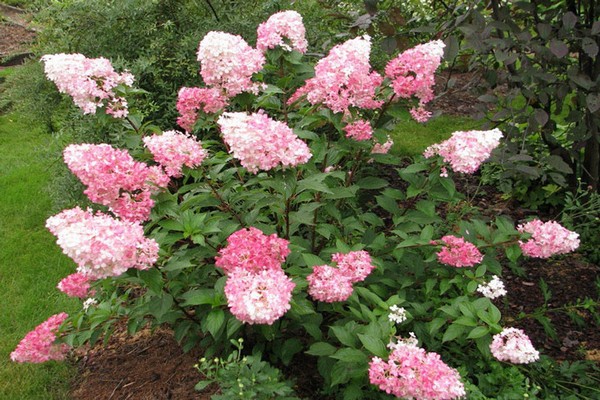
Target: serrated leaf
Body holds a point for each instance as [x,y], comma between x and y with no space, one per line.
[214,321]
[453,332]
[374,345]
[372,182]
[344,336]
[312,260]
[321,349]
[197,297]
[478,332]
[350,356]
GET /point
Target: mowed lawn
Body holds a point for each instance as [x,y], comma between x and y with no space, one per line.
[31,264]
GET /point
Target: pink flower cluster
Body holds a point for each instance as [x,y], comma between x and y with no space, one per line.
[412,74]
[38,345]
[89,81]
[343,78]
[411,372]
[191,100]
[458,253]
[465,151]
[513,345]
[330,284]
[100,245]
[382,148]
[228,63]
[284,24]
[75,285]
[547,239]
[114,179]
[359,130]
[257,289]
[172,150]
[261,143]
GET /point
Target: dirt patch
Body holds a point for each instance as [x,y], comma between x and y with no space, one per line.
[15,35]
[147,366]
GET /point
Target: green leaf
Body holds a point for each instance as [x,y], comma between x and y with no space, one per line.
[153,279]
[373,345]
[350,356]
[453,332]
[311,260]
[478,332]
[200,386]
[321,349]
[198,296]
[344,336]
[372,183]
[214,321]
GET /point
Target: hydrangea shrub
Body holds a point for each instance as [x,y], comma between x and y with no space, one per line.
[270,219]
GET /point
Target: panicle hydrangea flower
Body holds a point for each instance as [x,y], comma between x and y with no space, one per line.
[101,245]
[382,148]
[284,24]
[547,239]
[420,114]
[114,179]
[513,345]
[75,285]
[344,78]
[355,265]
[89,81]
[91,302]
[411,372]
[191,100]
[465,151]
[261,143]
[412,72]
[458,253]
[329,284]
[251,250]
[397,314]
[493,289]
[359,130]
[172,150]
[38,345]
[258,297]
[228,63]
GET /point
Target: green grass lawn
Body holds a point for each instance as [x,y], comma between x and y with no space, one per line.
[411,137]
[31,264]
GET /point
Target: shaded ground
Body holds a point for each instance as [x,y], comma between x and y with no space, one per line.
[15,35]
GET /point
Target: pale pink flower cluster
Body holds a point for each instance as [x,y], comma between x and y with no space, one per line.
[172,150]
[39,345]
[75,285]
[191,100]
[227,62]
[382,148]
[344,78]
[513,345]
[412,74]
[492,289]
[465,151]
[331,284]
[257,289]
[114,179]
[458,253]
[411,372]
[261,143]
[101,245]
[284,24]
[359,130]
[547,239]
[89,81]
[253,251]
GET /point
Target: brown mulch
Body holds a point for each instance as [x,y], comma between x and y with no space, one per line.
[15,34]
[146,366]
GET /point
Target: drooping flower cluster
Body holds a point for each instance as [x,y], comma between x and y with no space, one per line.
[261,143]
[493,289]
[412,74]
[547,239]
[359,130]
[100,245]
[284,24]
[227,62]
[172,150]
[75,285]
[257,289]
[397,314]
[344,78]
[191,100]
[513,345]
[411,372]
[114,179]
[89,81]
[458,253]
[331,284]
[465,151]
[39,345]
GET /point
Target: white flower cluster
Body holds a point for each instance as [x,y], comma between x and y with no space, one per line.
[397,314]
[492,289]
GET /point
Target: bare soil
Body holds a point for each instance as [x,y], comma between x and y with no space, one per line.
[151,365]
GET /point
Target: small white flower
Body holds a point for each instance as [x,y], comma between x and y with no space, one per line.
[397,314]
[492,289]
[88,303]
